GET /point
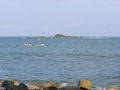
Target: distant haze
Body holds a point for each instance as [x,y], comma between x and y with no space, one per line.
[68,17]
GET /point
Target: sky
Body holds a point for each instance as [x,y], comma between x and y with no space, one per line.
[68,17]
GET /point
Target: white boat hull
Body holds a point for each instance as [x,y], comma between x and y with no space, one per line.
[34,44]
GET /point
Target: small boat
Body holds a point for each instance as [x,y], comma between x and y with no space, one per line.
[28,44]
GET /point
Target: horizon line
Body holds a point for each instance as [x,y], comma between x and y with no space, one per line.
[53,36]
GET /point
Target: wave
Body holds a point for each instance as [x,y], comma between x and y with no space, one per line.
[59,55]
[94,55]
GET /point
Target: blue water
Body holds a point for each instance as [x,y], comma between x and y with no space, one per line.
[61,60]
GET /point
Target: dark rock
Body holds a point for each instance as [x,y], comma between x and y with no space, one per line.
[82,88]
[78,84]
[22,86]
[51,88]
[8,85]
[70,88]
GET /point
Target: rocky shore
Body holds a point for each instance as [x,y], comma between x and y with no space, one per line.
[81,85]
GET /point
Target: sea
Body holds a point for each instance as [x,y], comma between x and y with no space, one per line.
[63,60]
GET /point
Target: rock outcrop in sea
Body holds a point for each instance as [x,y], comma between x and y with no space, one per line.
[63,36]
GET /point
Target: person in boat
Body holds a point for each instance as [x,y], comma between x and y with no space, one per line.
[26,42]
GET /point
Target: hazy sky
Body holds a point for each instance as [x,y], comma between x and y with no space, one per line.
[69,17]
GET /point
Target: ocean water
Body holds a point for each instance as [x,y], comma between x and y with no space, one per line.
[61,60]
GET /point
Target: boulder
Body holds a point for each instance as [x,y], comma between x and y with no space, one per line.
[49,84]
[85,84]
[32,87]
[50,88]
[113,88]
[39,85]
[22,86]
[58,85]
[8,85]
[1,82]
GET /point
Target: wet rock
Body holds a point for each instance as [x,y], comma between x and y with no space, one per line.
[8,85]
[82,88]
[22,86]
[85,84]
[51,88]
[113,88]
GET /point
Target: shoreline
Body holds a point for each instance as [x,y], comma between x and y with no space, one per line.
[81,85]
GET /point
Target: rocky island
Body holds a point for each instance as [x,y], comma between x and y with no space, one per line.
[63,36]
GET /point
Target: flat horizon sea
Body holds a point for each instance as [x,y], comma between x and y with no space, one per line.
[61,60]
